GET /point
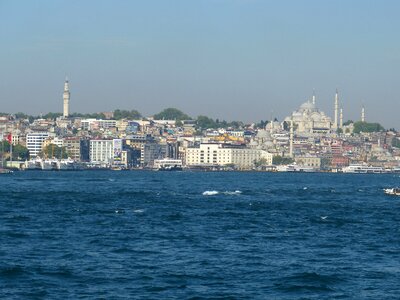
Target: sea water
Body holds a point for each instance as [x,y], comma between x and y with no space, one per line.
[196,235]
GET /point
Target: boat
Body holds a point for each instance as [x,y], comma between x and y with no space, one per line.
[34,164]
[5,171]
[295,168]
[50,164]
[67,164]
[392,191]
[396,170]
[53,164]
[168,164]
[363,169]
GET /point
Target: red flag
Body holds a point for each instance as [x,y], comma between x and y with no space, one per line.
[9,138]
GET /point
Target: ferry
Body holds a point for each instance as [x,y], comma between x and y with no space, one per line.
[34,164]
[52,164]
[66,164]
[168,164]
[295,168]
[363,169]
[396,170]
[392,192]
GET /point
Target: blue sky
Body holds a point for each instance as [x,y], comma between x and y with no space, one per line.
[229,59]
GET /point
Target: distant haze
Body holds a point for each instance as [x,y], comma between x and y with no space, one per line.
[244,60]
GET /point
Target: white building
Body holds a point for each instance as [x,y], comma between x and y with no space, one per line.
[34,142]
[101,151]
[222,155]
[94,124]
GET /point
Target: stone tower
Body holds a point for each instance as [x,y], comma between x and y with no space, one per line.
[66,96]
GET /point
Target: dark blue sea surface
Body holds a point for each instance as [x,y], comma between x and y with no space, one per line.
[195,235]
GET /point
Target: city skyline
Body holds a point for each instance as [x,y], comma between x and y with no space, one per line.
[233,60]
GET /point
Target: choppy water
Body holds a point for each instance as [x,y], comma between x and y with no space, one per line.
[166,235]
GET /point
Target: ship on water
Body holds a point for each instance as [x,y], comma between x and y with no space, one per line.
[363,169]
[168,164]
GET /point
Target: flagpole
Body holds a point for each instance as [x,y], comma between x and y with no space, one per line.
[11,154]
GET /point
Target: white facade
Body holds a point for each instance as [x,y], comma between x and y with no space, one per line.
[66,96]
[101,151]
[34,142]
[94,124]
[217,154]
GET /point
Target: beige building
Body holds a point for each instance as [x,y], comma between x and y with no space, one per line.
[73,147]
[308,161]
[223,155]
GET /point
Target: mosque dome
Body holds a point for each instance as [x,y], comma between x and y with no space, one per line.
[307,106]
[308,117]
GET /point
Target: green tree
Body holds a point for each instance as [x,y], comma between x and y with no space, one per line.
[52,115]
[171,114]
[279,160]
[4,146]
[348,122]
[396,142]
[20,152]
[88,116]
[52,150]
[126,114]
[260,162]
[367,127]
[204,122]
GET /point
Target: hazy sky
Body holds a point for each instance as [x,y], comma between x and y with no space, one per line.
[229,59]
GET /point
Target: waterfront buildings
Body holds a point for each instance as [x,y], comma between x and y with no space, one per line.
[211,154]
[307,137]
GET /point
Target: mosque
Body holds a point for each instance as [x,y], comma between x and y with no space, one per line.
[309,119]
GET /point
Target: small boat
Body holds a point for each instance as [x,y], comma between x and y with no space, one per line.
[168,164]
[392,192]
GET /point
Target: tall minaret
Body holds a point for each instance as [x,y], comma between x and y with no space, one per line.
[66,95]
[335,124]
[363,114]
[341,118]
[313,97]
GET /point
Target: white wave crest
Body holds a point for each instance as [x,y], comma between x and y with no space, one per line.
[210,193]
[213,193]
[233,193]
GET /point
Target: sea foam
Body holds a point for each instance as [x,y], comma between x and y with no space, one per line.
[210,193]
[213,193]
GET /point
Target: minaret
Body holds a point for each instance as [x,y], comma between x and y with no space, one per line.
[341,118]
[66,95]
[271,130]
[335,124]
[363,114]
[313,97]
[291,139]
